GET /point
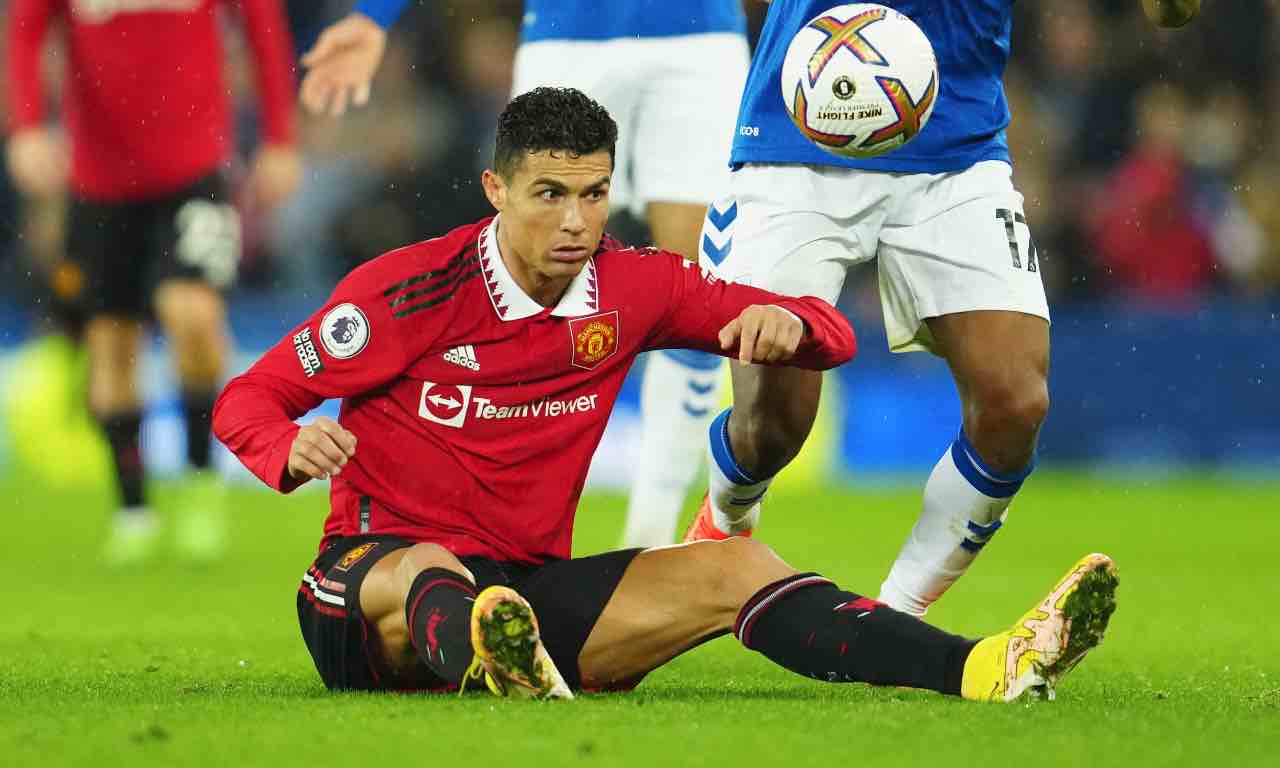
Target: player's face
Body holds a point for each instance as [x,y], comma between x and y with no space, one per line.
[554,207]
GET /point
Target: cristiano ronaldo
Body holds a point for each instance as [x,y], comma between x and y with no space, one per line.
[477,371]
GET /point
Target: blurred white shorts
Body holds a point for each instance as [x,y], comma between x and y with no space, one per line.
[946,242]
[675,100]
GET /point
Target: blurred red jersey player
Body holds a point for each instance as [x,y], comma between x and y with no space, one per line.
[147,112]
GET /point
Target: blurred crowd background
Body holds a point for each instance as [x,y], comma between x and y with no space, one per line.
[1148,159]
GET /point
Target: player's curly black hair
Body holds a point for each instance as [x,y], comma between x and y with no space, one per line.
[563,119]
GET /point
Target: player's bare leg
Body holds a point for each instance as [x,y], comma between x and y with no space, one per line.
[673,598]
[113,343]
[677,403]
[425,609]
[669,600]
[193,316]
[773,412]
[386,590]
[1005,397]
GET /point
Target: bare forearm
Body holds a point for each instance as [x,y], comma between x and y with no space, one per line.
[1171,13]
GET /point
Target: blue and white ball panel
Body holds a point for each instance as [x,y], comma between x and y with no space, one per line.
[945,243]
[971,41]
[673,98]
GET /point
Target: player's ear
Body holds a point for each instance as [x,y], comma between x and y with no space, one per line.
[495,188]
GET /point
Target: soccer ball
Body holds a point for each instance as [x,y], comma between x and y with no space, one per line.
[860,80]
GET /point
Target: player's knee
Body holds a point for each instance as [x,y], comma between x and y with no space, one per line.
[736,568]
[421,557]
[743,552]
[191,313]
[201,325]
[1013,405]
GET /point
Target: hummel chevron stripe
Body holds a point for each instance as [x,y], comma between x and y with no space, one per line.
[716,255]
[719,219]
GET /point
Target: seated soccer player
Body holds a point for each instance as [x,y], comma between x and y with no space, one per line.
[477,372]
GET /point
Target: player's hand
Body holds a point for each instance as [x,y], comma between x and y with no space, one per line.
[320,450]
[340,66]
[1171,13]
[764,334]
[277,171]
[38,162]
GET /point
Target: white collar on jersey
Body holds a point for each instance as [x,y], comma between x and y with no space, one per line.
[509,299]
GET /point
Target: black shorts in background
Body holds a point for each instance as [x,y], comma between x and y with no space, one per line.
[567,596]
[126,249]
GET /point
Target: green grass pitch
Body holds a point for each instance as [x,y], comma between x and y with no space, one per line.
[178,665]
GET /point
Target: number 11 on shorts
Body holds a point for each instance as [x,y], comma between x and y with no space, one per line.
[1015,217]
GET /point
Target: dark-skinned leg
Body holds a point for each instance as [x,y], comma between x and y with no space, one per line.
[1000,362]
[773,411]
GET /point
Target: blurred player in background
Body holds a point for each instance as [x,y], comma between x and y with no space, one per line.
[959,276]
[478,370]
[671,74]
[150,225]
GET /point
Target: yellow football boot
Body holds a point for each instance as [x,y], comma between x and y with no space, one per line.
[1048,640]
[509,650]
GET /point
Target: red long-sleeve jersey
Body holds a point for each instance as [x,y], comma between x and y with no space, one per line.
[145,101]
[476,410]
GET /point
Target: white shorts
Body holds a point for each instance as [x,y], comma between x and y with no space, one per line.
[675,100]
[946,242]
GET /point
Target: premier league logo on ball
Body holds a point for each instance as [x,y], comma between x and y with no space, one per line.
[344,331]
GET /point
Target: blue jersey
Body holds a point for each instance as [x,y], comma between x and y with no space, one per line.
[600,20]
[971,41]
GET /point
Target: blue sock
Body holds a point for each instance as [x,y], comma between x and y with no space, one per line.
[735,495]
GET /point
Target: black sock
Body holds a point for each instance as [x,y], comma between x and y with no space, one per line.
[438,612]
[124,435]
[197,411]
[808,625]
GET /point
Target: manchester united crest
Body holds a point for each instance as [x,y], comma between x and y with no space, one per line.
[595,339]
[354,556]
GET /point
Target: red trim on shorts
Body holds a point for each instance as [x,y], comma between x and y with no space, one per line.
[324,608]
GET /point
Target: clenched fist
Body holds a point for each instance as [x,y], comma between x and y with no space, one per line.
[320,449]
[764,334]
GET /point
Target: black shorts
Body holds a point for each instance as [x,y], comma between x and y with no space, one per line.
[567,596]
[125,249]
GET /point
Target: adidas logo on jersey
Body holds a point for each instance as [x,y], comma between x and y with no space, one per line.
[464,355]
